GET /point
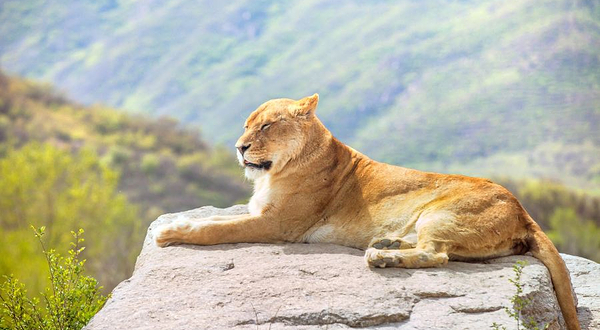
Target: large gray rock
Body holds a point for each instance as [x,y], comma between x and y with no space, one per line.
[320,286]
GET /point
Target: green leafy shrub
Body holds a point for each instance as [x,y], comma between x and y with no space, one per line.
[519,303]
[67,304]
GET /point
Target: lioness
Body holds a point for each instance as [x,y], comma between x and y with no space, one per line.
[310,187]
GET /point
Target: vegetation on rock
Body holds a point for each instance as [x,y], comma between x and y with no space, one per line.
[67,303]
[519,303]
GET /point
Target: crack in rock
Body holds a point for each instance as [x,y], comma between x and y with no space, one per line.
[475,310]
[437,294]
[333,318]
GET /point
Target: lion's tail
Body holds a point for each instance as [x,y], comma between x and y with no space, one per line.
[542,248]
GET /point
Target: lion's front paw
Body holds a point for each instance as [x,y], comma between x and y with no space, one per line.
[171,233]
[162,235]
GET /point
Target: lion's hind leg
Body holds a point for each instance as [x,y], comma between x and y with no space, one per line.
[490,233]
[420,249]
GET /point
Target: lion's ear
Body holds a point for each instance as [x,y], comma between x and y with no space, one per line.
[306,106]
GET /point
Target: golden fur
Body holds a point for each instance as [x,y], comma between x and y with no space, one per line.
[310,187]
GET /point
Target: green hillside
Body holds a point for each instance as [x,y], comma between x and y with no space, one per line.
[478,87]
[67,166]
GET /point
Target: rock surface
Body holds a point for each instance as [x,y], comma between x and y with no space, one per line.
[320,286]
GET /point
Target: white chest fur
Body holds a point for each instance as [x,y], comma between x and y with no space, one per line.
[261,196]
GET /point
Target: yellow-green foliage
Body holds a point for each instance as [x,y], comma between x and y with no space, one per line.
[67,303]
[42,185]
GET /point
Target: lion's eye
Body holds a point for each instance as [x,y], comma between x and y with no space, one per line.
[264,127]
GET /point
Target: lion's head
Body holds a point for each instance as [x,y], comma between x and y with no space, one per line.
[274,134]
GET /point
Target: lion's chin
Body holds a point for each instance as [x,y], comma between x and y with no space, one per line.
[254,170]
[254,173]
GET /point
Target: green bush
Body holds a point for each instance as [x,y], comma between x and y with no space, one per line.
[67,304]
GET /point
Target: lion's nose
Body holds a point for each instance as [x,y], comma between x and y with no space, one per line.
[243,148]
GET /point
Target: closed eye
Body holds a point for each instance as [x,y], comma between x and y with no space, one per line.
[264,127]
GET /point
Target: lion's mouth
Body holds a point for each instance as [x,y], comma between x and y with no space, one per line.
[262,166]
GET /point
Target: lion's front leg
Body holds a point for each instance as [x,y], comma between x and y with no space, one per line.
[228,229]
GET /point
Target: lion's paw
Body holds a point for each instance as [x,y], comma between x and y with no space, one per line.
[170,233]
[381,259]
[390,243]
[162,235]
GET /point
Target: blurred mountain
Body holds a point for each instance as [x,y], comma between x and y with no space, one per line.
[477,87]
